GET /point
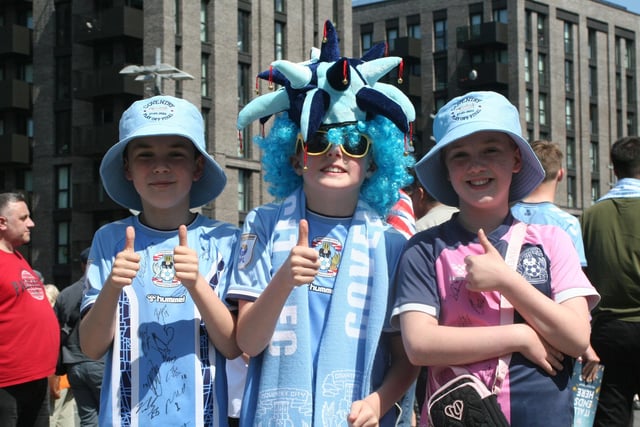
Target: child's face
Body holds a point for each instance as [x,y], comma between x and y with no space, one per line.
[333,169]
[480,167]
[162,169]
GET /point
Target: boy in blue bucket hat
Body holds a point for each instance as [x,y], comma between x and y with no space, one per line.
[451,277]
[155,281]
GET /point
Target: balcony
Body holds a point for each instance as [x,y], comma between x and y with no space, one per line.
[110,24]
[487,34]
[15,39]
[406,47]
[488,75]
[106,81]
[93,141]
[15,149]
[15,94]
[92,198]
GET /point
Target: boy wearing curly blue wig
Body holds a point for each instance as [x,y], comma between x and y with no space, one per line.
[313,272]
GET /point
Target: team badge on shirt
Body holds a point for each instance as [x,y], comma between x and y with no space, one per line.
[330,251]
[247,243]
[164,273]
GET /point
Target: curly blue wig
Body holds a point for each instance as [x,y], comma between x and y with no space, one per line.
[381,190]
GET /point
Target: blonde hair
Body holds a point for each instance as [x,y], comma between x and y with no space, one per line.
[52,293]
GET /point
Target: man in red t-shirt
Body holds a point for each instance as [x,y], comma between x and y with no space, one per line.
[28,326]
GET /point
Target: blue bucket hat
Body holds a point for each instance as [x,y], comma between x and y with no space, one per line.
[160,115]
[466,115]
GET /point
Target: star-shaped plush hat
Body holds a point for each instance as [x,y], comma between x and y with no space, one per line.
[330,89]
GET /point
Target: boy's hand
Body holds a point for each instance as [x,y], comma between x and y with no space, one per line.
[127,262]
[185,260]
[539,351]
[303,263]
[484,272]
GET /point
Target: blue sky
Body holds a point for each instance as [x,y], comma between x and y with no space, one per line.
[631,5]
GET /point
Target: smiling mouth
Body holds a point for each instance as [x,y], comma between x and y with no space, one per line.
[333,169]
[479,182]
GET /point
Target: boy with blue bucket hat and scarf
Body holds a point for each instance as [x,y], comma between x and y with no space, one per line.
[451,277]
[156,281]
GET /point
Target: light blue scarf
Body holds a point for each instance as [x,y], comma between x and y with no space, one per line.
[624,188]
[348,347]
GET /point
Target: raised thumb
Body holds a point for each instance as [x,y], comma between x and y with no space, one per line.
[303,233]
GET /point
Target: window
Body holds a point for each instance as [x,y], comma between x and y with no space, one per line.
[568,76]
[593,82]
[619,123]
[618,88]
[204,21]
[62,132]
[63,24]
[244,185]
[542,69]
[178,21]
[568,114]
[502,56]
[244,84]
[593,119]
[568,39]
[527,66]
[475,21]
[279,41]
[500,15]
[629,56]
[528,26]
[571,153]
[571,191]
[366,41]
[542,109]
[528,102]
[595,190]
[594,162]
[440,35]
[440,73]
[278,6]
[62,242]
[631,90]
[205,123]
[617,51]
[542,30]
[392,35]
[63,78]
[413,30]
[631,123]
[244,31]
[593,45]
[63,187]
[204,75]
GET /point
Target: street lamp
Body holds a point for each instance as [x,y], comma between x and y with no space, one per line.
[156,73]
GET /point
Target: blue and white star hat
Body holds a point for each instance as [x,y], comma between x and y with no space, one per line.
[330,89]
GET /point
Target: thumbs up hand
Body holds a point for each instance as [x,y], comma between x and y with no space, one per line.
[185,260]
[303,263]
[127,262]
[486,272]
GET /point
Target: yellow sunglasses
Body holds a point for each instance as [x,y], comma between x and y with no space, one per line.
[318,145]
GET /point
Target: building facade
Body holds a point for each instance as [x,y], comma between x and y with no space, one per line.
[62,95]
[569,66]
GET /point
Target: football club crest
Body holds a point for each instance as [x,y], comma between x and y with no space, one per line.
[247,243]
[164,273]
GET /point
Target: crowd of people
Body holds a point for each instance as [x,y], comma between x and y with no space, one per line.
[369,281]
